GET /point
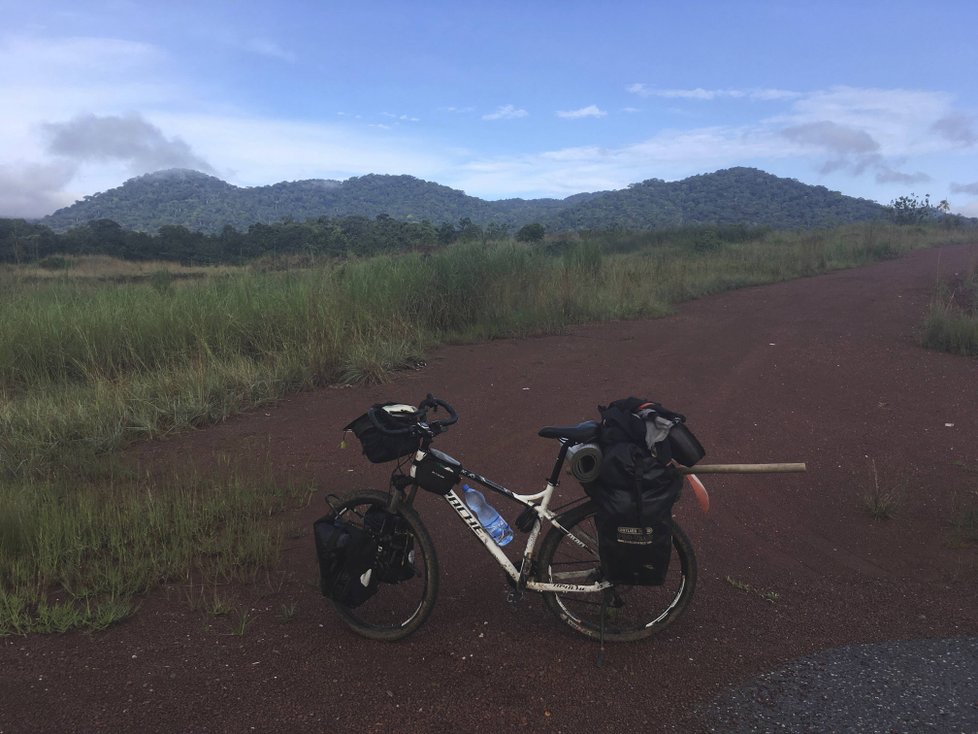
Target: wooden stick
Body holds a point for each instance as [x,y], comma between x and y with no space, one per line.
[743,469]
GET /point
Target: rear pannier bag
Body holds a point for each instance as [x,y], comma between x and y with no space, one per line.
[634,494]
[637,487]
[437,472]
[378,446]
[347,555]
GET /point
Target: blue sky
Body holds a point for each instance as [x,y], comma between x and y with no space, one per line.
[499,99]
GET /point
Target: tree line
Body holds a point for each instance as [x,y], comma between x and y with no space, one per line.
[25,242]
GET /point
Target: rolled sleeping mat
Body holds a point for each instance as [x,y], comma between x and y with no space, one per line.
[584,462]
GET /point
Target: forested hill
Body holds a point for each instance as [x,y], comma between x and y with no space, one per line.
[207,204]
[732,196]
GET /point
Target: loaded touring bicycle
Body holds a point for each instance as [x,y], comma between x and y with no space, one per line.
[619,577]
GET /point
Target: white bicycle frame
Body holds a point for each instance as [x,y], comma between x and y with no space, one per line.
[540,503]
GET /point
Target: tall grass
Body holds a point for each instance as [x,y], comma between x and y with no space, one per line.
[86,368]
[951,324]
[77,555]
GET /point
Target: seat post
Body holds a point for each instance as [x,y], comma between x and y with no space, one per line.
[561,456]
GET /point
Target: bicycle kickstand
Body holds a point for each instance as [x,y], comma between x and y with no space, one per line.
[604,611]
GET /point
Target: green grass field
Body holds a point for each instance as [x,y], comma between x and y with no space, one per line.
[952,321]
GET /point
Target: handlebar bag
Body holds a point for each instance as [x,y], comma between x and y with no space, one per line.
[347,556]
[379,446]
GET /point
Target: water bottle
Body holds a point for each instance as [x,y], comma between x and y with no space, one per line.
[491,520]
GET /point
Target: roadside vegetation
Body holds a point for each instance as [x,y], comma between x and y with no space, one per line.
[78,554]
[951,324]
[881,500]
[89,366]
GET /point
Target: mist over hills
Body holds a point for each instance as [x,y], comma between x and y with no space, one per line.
[205,203]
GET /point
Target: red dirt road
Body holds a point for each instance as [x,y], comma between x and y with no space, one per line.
[823,370]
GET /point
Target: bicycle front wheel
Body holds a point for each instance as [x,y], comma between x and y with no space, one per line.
[630,612]
[396,609]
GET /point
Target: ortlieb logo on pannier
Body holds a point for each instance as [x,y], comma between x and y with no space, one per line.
[635,536]
[637,486]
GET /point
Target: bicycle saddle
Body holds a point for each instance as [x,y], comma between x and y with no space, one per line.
[581,433]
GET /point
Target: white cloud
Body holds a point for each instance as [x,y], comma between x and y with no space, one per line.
[589,111]
[128,138]
[969,188]
[874,130]
[900,120]
[957,128]
[51,80]
[849,148]
[401,118]
[969,210]
[671,154]
[506,112]
[270,49]
[885,174]
[73,59]
[835,138]
[258,151]
[644,90]
[843,133]
[34,189]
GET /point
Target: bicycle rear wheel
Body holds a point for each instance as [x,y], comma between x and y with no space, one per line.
[632,612]
[396,609]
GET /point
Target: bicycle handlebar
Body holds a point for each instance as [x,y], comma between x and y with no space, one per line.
[434,403]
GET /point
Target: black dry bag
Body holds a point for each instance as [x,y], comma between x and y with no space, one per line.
[347,555]
[395,545]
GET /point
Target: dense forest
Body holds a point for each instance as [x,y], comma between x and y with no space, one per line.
[204,203]
[22,241]
[732,196]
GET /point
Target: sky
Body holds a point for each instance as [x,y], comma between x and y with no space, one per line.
[535,98]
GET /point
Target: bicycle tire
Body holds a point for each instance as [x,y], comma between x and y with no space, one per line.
[395,610]
[635,612]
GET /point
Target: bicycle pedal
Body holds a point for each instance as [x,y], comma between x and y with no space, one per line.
[514,596]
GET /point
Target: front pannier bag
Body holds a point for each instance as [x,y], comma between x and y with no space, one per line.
[378,446]
[347,555]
